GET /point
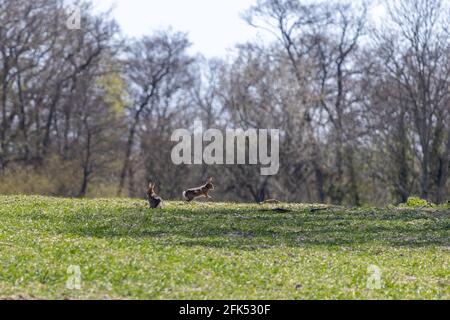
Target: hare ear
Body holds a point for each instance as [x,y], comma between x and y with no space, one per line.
[150,185]
[210,179]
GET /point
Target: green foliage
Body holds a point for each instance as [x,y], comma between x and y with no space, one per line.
[113,86]
[219,251]
[416,202]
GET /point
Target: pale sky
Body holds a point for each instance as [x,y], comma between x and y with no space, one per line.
[213,25]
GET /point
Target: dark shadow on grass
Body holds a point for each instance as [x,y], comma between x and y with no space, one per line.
[252,229]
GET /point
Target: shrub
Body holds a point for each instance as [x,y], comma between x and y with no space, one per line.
[416,202]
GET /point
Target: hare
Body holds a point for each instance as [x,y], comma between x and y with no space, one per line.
[202,191]
[154,200]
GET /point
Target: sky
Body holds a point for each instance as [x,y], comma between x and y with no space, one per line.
[213,25]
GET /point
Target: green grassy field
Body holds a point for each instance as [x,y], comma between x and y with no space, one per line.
[219,251]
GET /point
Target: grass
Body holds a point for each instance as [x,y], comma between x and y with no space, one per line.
[219,251]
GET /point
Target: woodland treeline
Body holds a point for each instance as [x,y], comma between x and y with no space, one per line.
[363,105]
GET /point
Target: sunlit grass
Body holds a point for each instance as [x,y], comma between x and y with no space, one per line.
[220,251]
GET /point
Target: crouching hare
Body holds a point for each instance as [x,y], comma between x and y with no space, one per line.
[202,191]
[154,200]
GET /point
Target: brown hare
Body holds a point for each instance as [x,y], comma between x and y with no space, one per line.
[202,191]
[154,200]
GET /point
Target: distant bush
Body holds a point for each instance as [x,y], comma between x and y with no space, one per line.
[26,181]
[416,202]
[55,177]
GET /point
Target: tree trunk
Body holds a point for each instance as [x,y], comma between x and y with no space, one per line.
[126,163]
[424,180]
[442,183]
[86,168]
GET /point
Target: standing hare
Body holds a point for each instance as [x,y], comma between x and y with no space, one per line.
[154,200]
[202,191]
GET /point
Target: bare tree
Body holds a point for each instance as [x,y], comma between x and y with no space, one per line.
[418,61]
[150,61]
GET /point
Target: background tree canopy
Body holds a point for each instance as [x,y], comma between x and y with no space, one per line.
[364,109]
